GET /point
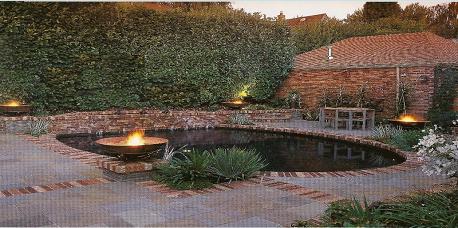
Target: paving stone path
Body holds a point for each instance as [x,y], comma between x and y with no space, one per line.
[82,195]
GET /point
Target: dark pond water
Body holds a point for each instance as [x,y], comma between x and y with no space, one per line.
[284,152]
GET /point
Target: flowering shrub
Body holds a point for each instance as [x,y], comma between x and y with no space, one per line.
[440,152]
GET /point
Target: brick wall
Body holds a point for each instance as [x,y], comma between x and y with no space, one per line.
[380,81]
[90,122]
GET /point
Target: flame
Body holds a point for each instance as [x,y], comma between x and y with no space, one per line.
[238,101]
[136,138]
[407,118]
[13,104]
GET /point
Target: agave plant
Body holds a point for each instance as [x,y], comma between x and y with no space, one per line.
[190,172]
[239,119]
[38,127]
[235,163]
[170,151]
[385,132]
[351,213]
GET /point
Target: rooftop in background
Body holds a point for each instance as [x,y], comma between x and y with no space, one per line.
[405,49]
[307,19]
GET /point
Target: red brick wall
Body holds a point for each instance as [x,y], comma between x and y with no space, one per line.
[90,122]
[455,102]
[380,81]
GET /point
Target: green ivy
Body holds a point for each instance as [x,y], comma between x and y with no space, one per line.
[446,81]
[63,57]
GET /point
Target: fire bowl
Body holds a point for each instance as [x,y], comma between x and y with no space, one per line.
[20,109]
[409,124]
[235,104]
[117,145]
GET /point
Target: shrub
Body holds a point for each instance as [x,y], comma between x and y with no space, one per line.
[440,151]
[441,112]
[351,213]
[239,119]
[294,100]
[38,127]
[189,172]
[427,210]
[236,164]
[406,140]
[385,132]
[71,56]
[423,210]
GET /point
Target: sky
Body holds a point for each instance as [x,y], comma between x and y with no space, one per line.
[294,8]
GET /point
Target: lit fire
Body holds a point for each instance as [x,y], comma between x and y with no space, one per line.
[13,104]
[238,101]
[136,138]
[407,118]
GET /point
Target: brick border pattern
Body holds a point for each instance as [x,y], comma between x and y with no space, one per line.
[174,193]
[302,191]
[259,180]
[53,187]
[411,160]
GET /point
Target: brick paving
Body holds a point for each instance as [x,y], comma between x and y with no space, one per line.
[274,200]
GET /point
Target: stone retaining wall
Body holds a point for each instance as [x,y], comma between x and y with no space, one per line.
[90,122]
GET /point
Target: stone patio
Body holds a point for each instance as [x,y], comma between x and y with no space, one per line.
[79,194]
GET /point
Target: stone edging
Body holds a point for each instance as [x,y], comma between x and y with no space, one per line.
[411,160]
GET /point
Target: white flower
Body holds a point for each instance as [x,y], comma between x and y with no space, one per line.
[439,153]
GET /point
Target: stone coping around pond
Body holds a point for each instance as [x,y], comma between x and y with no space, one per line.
[411,162]
[114,165]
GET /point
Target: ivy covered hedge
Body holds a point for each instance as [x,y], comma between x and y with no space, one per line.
[72,56]
[446,82]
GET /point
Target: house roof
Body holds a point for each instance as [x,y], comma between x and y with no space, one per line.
[307,19]
[405,49]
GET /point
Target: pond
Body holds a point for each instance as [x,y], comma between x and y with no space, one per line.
[283,152]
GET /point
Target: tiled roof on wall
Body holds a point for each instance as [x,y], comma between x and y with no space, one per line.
[405,49]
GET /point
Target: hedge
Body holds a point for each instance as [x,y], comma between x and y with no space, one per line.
[445,92]
[74,57]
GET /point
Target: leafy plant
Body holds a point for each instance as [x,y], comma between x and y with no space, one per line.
[421,210]
[38,127]
[385,132]
[189,172]
[406,140]
[402,100]
[351,213]
[239,119]
[235,163]
[294,100]
[427,210]
[170,152]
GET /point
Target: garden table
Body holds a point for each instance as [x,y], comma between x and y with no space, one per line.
[348,116]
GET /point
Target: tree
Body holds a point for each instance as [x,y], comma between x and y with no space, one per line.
[373,11]
[443,20]
[188,6]
[415,12]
